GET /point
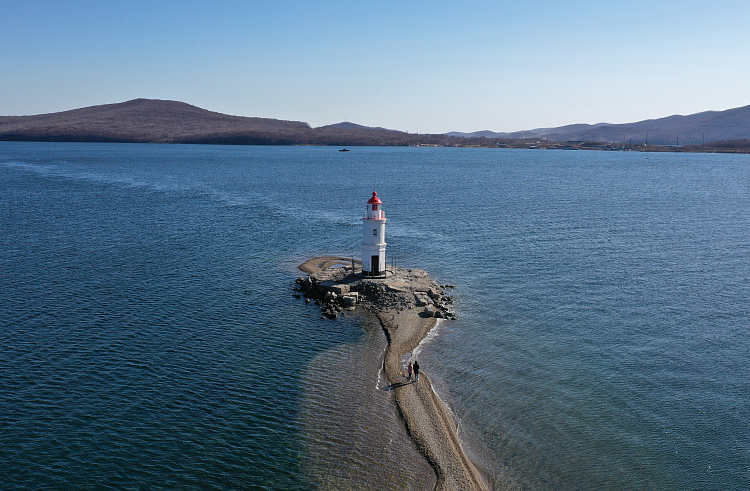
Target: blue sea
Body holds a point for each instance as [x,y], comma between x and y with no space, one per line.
[149,337]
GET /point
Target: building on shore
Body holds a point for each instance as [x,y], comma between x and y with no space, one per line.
[373,243]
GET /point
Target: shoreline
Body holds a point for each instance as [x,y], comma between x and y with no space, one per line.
[398,303]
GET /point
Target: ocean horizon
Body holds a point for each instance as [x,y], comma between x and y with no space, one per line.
[149,337]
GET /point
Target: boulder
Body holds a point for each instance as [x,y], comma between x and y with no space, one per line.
[326,286]
[340,289]
[422,299]
[349,300]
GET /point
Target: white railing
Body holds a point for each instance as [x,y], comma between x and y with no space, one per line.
[375,215]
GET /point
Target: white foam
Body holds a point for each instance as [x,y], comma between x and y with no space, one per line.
[434,333]
[382,366]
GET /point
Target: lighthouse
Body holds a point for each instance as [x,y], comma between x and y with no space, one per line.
[373,243]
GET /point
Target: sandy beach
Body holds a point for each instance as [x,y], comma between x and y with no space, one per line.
[426,418]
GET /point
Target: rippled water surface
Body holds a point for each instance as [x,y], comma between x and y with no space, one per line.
[149,339]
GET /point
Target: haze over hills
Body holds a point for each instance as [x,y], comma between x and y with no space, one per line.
[158,121]
[732,124]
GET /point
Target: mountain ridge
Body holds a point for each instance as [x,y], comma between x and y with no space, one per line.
[706,126]
[161,121]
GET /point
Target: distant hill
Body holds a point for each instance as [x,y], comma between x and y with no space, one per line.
[353,126]
[732,124]
[158,121]
[146,120]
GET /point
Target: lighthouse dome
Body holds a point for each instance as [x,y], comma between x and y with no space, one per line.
[374,199]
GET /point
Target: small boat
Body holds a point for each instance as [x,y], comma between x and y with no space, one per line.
[344,150]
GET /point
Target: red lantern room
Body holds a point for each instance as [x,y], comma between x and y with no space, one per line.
[374,208]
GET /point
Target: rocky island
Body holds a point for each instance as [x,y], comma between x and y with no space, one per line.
[407,303]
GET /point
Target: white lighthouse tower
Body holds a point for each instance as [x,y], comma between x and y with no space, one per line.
[373,245]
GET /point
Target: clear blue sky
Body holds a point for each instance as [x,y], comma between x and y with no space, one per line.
[423,67]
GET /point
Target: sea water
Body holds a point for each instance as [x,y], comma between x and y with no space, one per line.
[149,337]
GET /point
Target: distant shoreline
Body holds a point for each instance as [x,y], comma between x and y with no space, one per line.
[159,121]
[725,147]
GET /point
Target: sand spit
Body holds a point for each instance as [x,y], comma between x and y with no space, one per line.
[405,302]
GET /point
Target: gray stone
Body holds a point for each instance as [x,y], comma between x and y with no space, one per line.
[340,289]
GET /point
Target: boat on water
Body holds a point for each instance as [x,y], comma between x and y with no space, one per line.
[344,150]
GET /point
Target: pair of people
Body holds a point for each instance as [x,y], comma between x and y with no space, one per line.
[413,369]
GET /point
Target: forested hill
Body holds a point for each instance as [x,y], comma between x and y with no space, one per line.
[145,120]
[708,126]
[157,121]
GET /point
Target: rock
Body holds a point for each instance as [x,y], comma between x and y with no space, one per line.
[349,300]
[336,289]
[422,299]
[340,289]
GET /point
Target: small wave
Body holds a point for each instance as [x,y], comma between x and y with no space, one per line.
[434,333]
[406,231]
[60,170]
[379,378]
[39,169]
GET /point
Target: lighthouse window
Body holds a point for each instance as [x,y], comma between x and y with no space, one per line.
[374,231]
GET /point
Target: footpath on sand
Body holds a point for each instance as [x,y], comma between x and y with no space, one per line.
[405,302]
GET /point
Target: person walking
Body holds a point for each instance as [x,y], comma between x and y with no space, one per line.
[410,371]
[416,371]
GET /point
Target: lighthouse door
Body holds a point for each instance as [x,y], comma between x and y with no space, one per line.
[375,266]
